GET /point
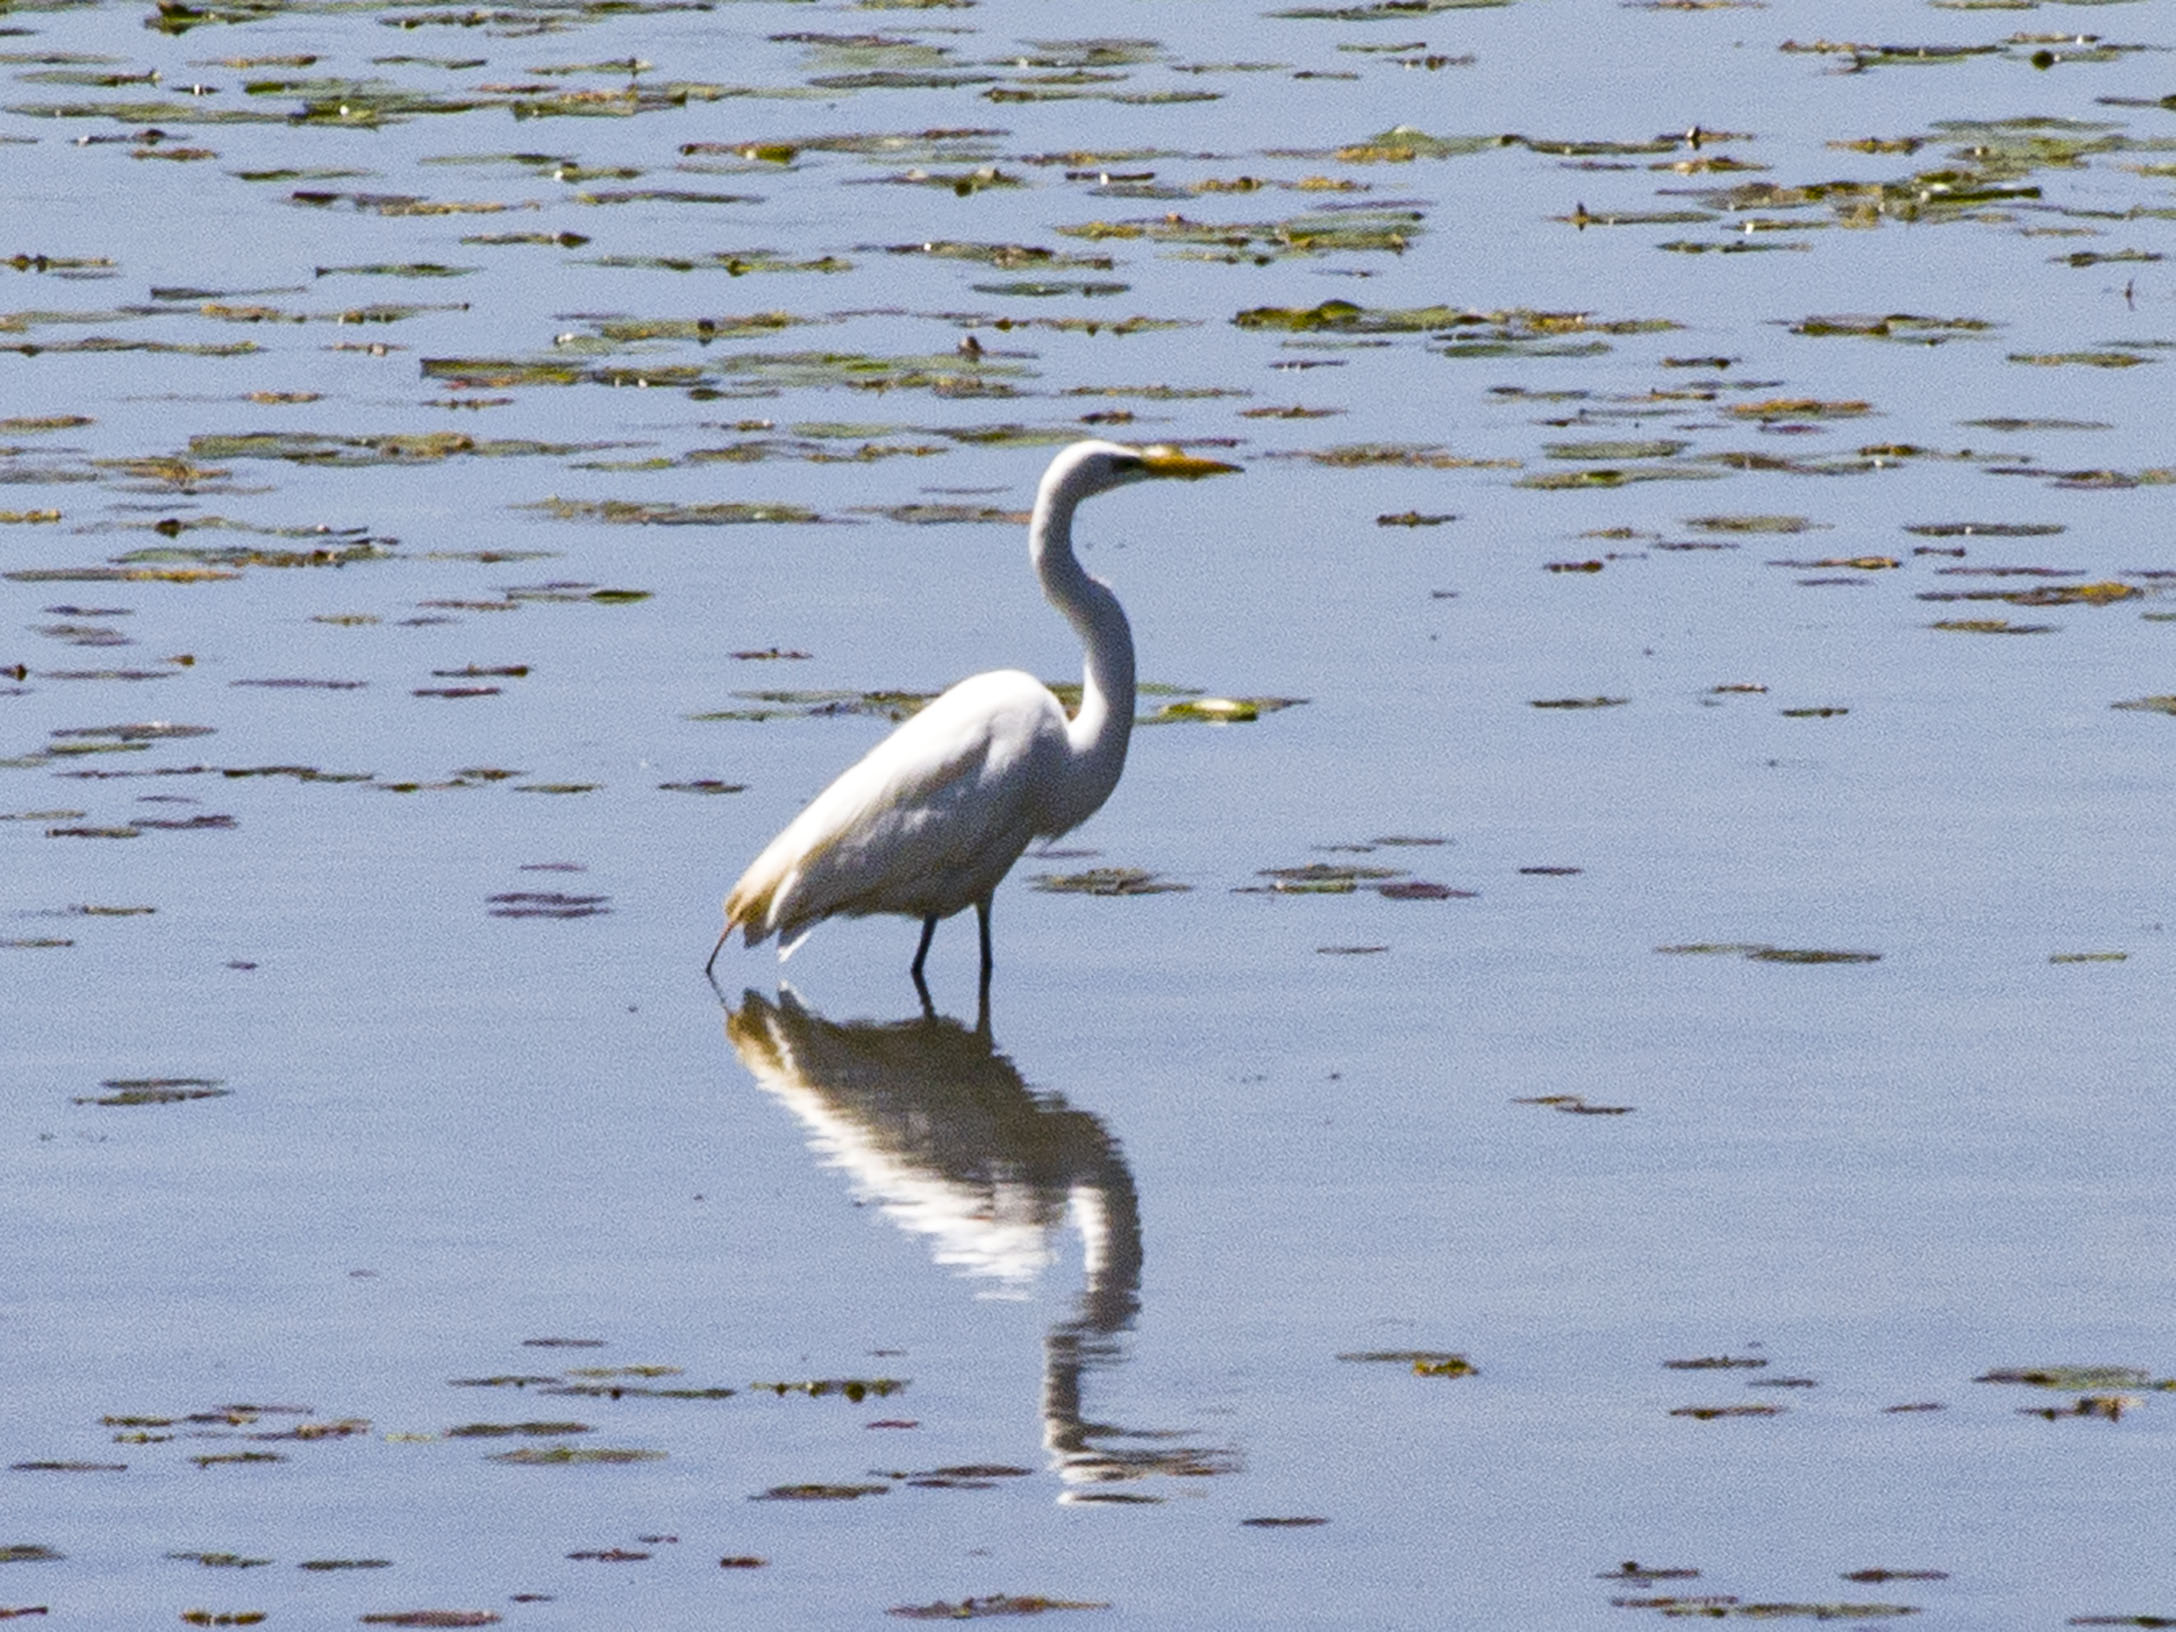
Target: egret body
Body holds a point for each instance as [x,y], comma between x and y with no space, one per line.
[935,815]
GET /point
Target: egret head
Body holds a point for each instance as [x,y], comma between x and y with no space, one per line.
[1087,468]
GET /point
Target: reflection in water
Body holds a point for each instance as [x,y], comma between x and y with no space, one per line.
[939,1129]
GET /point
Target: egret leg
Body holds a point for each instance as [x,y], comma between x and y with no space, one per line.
[714,951]
[921,953]
[982,921]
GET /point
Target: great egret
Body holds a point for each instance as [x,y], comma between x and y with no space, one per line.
[935,815]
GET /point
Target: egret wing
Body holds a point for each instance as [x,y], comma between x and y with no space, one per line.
[925,823]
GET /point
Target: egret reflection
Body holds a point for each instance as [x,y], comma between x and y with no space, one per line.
[939,1130]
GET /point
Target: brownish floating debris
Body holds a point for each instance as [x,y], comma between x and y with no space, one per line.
[1876,1576]
[2122,1620]
[1631,1570]
[1710,1604]
[547,904]
[1424,1362]
[1575,1105]
[1717,1362]
[1420,889]
[609,1555]
[742,1561]
[1552,872]
[562,1343]
[1708,1413]
[1580,702]
[1282,1523]
[2107,1407]
[67,1467]
[772,654]
[819,1493]
[432,1617]
[1788,954]
[1002,1603]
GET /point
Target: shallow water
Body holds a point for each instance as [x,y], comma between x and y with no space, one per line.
[427,1121]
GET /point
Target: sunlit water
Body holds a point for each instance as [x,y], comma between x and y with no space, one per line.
[445,1131]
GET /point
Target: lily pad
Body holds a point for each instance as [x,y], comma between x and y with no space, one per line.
[1107,881]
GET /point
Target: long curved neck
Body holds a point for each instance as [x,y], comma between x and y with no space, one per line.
[1099,731]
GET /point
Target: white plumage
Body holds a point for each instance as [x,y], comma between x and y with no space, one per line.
[934,816]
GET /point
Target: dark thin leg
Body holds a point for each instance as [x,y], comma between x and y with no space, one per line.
[714,951]
[921,956]
[982,920]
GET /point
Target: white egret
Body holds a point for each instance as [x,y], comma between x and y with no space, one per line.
[935,815]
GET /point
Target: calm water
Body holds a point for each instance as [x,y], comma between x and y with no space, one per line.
[390,1204]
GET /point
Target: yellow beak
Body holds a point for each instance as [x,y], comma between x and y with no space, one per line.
[1169,461]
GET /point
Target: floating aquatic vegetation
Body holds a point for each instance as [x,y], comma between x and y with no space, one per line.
[1221,710]
[1604,476]
[1361,229]
[428,1617]
[1421,1362]
[933,515]
[1579,702]
[2084,359]
[2075,1379]
[561,1456]
[2149,705]
[1409,456]
[1760,952]
[1775,408]
[628,512]
[2093,594]
[1922,331]
[1717,1362]
[636,1391]
[221,1561]
[1990,626]
[1106,881]
[1575,1105]
[1001,1603]
[1633,1570]
[1582,218]
[854,1389]
[1987,529]
[1612,452]
[1711,1413]
[1718,1606]
[155,1091]
[819,1493]
[1752,524]
[391,448]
